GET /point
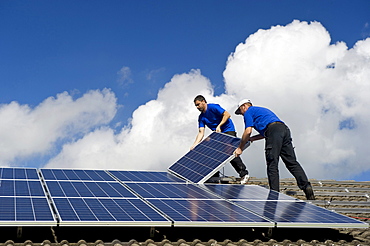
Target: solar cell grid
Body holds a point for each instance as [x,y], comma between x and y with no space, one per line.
[199,164]
[81,175]
[299,214]
[106,211]
[174,191]
[145,176]
[87,189]
[95,197]
[248,192]
[22,199]
[21,188]
[209,213]
[18,173]
[25,211]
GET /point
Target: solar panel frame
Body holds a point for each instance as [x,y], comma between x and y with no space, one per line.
[23,201]
[188,197]
[26,211]
[81,211]
[82,201]
[209,212]
[208,157]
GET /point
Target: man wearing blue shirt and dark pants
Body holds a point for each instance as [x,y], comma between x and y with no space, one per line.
[218,120]
[278,143]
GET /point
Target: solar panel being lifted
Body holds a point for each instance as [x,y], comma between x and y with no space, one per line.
[208,157]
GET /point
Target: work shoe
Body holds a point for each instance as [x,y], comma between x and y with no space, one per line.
[244,179]
[309,193]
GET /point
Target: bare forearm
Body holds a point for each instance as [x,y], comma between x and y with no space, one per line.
[256,137]
[245,138]
[225,117]
[198,138]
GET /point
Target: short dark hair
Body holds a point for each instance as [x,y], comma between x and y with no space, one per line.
[200,98]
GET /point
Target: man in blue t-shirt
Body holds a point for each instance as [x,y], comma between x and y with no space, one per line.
[278,144]
[218,119]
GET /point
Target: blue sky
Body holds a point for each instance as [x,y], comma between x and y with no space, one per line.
[51,47]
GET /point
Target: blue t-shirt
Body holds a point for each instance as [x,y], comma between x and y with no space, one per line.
[259,118]
[213,116]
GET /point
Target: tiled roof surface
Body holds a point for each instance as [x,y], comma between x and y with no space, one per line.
[346,197]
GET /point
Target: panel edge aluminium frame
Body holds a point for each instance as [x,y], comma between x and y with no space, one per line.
[210,174]
[322,225]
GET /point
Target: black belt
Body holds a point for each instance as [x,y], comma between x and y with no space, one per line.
[273,123]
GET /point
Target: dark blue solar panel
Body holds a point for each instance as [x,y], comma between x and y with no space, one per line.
[87,189]
[299,214]
[199,164]
[107,212]
[209,213]
[156,190]
[21,188]
[81,175]
[25,209]
[18,173]
[248,192]
[23,200]
[145,176]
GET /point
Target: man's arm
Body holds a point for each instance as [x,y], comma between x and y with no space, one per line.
[256,137]
[225,117]
[245,138]
[198,138]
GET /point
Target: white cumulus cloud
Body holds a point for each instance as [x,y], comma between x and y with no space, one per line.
[27,131]
[161,131]
[319,89]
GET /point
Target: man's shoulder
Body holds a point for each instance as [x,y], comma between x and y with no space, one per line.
[213,105]
[258,108]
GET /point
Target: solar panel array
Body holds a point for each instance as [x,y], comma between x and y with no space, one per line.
[71,197]
[208,157]
[68,197]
